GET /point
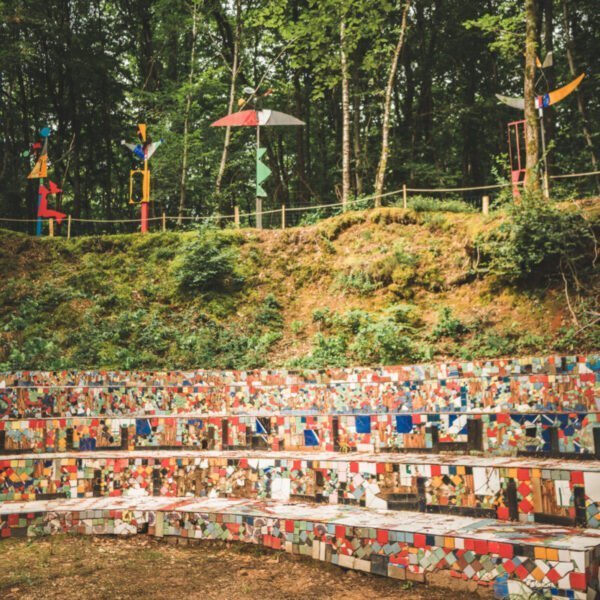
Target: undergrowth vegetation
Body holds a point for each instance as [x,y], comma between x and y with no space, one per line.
[365,287]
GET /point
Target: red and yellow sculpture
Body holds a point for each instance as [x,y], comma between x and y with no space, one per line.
[40,171]
[144,151]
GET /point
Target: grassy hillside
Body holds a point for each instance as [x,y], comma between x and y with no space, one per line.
[369,287]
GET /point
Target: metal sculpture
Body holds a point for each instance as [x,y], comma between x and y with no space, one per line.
[258,119]
[143,151]
[39,151]
[516,127]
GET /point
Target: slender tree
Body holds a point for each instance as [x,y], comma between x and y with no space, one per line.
[186,112]
[345,114]
[385,128]
[235,66]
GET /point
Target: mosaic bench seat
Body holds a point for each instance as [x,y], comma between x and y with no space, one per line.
[522,392]
[528,490]
[546,384]
[505,367]
[509,558]
[569,435]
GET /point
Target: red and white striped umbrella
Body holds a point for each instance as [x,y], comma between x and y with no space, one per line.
[257,118]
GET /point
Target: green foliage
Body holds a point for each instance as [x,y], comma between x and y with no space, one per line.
[118,301]
[327,351]
[448,326]
[538,242]
[357,282]
[209,264]
[505,27]
[269,312]
[429,204]
[366,338]
[383,342]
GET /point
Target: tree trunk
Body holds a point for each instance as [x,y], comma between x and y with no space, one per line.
[345,117]
[232,88]
[186,114]
[549,115]
[532,183]
[148,72]
[385,128]
[358,166]
[580,104]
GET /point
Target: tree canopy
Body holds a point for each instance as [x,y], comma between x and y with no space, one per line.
[93,70]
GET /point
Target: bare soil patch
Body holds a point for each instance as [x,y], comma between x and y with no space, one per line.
[117,568]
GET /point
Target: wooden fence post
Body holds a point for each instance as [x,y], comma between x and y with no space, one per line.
[236,216]
[51,227]
[69,227]
[486,205]
[164,222]
[283,216]
[404,198]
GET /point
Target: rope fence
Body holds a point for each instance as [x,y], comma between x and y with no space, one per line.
[282,212]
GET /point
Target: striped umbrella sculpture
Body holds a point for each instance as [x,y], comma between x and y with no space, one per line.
[258,119]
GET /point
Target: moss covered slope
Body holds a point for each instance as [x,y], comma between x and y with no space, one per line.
[382,286]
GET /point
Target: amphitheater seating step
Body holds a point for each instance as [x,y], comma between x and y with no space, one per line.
[547,491]
[513,558]
[486,471]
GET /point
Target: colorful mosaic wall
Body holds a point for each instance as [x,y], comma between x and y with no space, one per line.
[513,558]
[552,384]
[568,434]
[548,365]
[474,469]
[535,490]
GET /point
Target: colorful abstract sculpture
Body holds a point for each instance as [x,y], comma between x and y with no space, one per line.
[516,128]
[144,151]
[39,151]
[258,119]
[546,100]
[43,210]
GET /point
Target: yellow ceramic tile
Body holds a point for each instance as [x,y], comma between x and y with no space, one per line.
[551,554]
[540,553]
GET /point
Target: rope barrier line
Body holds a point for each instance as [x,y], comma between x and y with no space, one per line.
[463,189]
[575,175]
[303,208]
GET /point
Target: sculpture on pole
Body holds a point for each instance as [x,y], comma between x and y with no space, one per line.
[143,151]
[258,119]
[516,127]
[39,151]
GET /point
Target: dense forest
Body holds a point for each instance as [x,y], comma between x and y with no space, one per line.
[429,70]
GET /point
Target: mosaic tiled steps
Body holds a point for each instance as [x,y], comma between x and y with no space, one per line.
[548,384]
[569,435]
[543,491]
[513,559]
[504,367]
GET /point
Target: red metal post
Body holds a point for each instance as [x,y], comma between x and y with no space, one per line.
[144,216]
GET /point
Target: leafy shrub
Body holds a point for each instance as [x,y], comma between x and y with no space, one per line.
[269,312]
[383,342]
[311,217]
[209,264]
[448,326]
[428,204]
[539,241]
[328,351]
[322,316]
[490,344]
[359,282]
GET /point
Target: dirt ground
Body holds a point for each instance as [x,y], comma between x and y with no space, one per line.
[116,568]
